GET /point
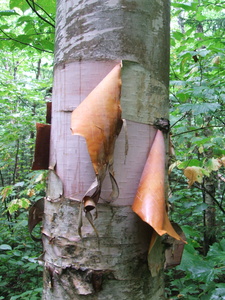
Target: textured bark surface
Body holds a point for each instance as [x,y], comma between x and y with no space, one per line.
[136,31]
[72,83]
[112,266]
[92,37]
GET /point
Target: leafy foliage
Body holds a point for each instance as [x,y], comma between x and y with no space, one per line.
[19,271]
[26,37]
[28,24]
[199,277]
[197,125]
[18,253]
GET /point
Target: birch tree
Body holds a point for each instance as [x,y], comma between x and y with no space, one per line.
[107,257]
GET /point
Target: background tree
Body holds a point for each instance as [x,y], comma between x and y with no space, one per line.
[91,38]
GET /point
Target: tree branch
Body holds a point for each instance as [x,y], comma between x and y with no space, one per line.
[210,194]
[45,12]
[23,43]
[37,13]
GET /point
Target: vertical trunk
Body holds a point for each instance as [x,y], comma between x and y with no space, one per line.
[209,213]
[209,216]
[91,38]
[38,72]
[16,162]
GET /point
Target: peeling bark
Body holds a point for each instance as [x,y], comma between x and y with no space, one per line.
[113,266]
[91,38]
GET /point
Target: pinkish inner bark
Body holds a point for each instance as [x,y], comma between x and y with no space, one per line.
[71,160]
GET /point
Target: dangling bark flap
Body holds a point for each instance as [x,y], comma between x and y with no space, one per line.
[149,202]
[36,213]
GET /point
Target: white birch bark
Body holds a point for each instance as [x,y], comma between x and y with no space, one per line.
[91,37]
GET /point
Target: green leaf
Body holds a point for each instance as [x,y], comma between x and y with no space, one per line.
[8,13]
[186,6]
[200,140]
[213,164]
[199,108]
[217,252]
[190,163]
[203,52]
[177,35]
[183,96]
[178,82]
[16,204]
[25,19]
[5,247]
[19,3]
[47,45]
[190,231]
[49,6]
[218,294]
[24,38]
[16,253]
[200,208]
[20,184]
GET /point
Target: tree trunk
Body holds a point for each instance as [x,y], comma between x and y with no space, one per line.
[209,213]
[91,38]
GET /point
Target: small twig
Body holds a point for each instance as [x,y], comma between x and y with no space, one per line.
[219,120]
[182,117]
[196,129]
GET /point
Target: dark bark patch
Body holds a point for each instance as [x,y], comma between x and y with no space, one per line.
[162,124]
[70,249]
[42,147]
[49,112]
[99,276]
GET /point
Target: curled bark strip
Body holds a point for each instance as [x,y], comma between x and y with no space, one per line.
[89,203]
[115,189]
[90,219]
[149,202]
[35,216]
[98,120]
